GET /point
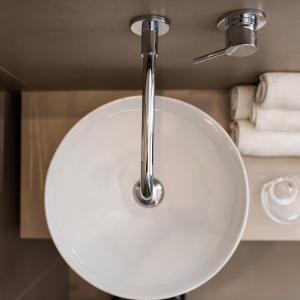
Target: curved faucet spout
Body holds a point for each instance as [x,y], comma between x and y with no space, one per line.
[148,107]
[148,191]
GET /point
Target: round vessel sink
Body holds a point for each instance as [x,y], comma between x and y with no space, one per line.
[138,252]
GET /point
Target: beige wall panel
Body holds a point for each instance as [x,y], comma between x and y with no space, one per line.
[47,117]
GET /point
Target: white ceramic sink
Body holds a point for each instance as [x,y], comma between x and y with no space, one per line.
[133,251]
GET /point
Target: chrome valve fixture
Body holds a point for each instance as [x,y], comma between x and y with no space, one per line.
[240,28]
[148,191]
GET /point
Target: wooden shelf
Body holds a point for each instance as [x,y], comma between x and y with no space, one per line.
[47,117]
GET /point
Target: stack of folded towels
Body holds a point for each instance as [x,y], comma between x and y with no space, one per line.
[266,118]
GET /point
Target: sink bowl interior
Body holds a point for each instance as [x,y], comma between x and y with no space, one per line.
[129,250]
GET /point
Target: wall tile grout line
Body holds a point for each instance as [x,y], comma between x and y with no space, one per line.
[37,279]
[15,77]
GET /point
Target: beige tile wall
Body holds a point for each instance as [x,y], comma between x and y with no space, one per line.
[47,117]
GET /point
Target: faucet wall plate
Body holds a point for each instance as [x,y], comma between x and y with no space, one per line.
[163,24]
[240,28]
[242,16]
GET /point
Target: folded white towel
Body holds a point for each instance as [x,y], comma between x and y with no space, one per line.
[275,119]
[279,90]
[264,143]
[241,100]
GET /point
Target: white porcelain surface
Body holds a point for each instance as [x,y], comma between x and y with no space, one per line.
[137,252]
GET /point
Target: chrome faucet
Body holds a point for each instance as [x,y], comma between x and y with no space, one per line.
[148,191]
[240,28]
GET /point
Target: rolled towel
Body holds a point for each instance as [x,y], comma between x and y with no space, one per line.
[241,99]
[275,119]
[279,90]
[264,143]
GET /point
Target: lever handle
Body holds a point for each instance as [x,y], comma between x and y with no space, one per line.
[240,28]
[209,56]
